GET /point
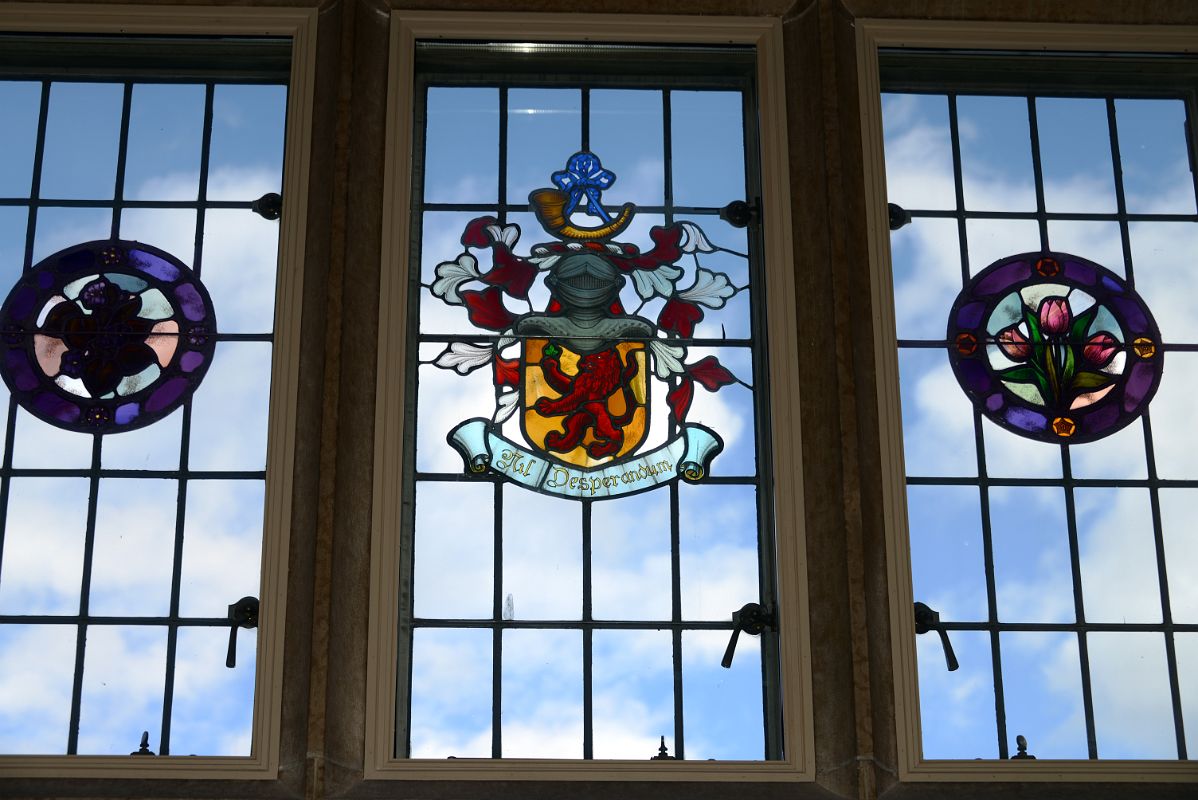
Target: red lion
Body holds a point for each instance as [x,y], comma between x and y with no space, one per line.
[584,402]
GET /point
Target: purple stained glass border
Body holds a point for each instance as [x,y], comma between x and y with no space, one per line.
[106,336]
[1056,373]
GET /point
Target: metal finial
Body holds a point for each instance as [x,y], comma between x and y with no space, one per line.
[144,748]
[662,753]
[1021,744]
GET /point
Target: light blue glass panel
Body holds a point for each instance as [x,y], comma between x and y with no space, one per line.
[228,423]
[542,555]
[626,134]
[919,155]
[1042,693]
[544,130]
[542,694]
[239,269]
[451,693]
[213,706]
[40,444]
[166,125]
[222,545]
[123,673]
[1098,241]
[1075,154]
[708,141]
[461,145]
[37,666]
[721,708]
[947,562]
[152,447]
[21,101]
[169,229]
[82,136]
[633,693]
[630,557]
[718,539]
[728,411]
[1179,507]
[43,546]
[453,560]
[1009,455]
[993,239]
[926,263]
[246,159]
[1032,574]
[1152,149]
[956,709]
[1187,676]
[1162,255]
[1133,708]
[60,228]
[1173,416]
[996,154]
[937,416]
[134,547]
[1118,555]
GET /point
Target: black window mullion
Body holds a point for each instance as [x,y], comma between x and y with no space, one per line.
[497,641]
[588,700]
[122,156]
[676,618]
[89,542]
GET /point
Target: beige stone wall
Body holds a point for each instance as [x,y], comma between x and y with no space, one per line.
[324,690]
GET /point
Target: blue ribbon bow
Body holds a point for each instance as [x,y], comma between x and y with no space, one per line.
[584,175]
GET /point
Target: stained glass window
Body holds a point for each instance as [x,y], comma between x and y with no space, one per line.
[132,492]
[1045,355]
[590,492]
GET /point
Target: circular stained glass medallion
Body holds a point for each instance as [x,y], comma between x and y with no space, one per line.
[106,336]
[1054,347]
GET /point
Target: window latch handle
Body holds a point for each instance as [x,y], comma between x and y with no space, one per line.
[242,614]
[926,620]
[753,619]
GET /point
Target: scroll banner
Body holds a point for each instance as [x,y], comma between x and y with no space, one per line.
[687,456]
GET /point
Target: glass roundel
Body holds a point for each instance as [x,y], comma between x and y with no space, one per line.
[1054,347]
[106,336]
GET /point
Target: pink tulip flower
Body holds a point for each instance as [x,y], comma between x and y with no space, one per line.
[1014,344]
[1100,349]
[1054,315]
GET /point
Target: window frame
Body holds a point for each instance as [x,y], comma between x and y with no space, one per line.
[872,35]
[299,25]
[765,35]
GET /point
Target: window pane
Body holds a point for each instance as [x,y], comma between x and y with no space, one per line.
[451,693]
[542,694]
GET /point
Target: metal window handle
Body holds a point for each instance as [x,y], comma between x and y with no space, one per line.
[926,620]
[753,619]
[242,614]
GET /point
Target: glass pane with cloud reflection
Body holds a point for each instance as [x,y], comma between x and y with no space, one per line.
[1172,412]
[222,545]
[21,101]
[626,134]
[707,128]
[246,160]
[122,688]
[461,119]
[919,156]
[42,571]
[240,262]
[938,420]
[996,155]
[947,562]
[630,557]
[1181,552]
[1186,645]
[729,410]
[453,555]
[542,555]
[134,547]
[1075,154]
[633,693]
[60,228]
[544,130]
[152,447]
[926,262]
[451,693]
[994,239]
[956,709]
[229,410]
[718,544]
[1120,455]
[721,708]
[1118,555]
[1162,259]
[1154,154]
[37,665]
[166,123]
[1098,241]
[40,444]
[82,136]
[542,694]
[1042,694]
[1133,708]
[1033,578]
[213,706]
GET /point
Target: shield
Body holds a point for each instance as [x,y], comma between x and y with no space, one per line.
[584,409]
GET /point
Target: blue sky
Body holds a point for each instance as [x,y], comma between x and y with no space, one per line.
[1132,707]
[136,518]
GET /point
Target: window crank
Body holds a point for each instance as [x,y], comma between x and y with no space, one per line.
[242,614]
[928,620]
[753,619]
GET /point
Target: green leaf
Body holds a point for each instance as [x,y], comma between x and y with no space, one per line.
[1081,323]
[1021,374]
[1070,365]
[1091,380]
